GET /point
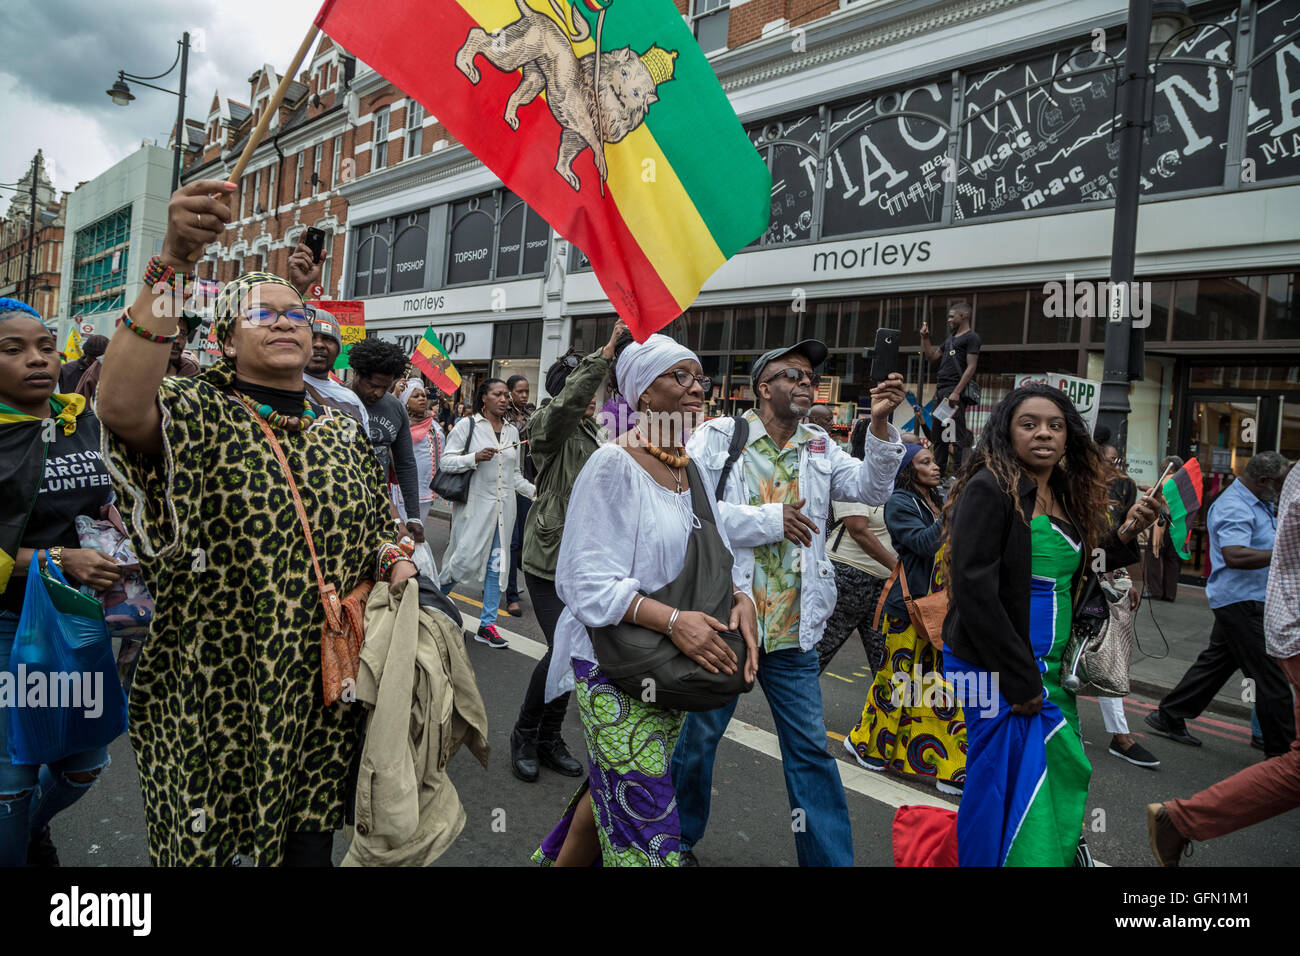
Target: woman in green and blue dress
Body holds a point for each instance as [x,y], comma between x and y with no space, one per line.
[1026,518]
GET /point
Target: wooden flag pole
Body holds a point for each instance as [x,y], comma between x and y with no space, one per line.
[255,137]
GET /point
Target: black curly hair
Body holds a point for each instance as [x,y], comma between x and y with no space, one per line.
[374,356]
[1082,473]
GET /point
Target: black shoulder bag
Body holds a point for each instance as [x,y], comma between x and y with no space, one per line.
[454,485]
[646,664]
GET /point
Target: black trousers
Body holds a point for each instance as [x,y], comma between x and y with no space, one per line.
[965,440]
[1161,571]
[537,718]
[1237,641]
[522,505]
[855,608]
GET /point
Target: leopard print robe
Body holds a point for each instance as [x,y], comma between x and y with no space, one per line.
[234,744]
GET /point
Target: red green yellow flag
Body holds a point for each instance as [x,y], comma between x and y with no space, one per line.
[636,156]
[432,359]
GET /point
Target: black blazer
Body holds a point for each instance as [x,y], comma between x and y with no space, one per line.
[988,611]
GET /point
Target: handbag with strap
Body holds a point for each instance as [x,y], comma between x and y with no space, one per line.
[454,485]
[1097,655]
[926,613]
[648,665]
[344,631]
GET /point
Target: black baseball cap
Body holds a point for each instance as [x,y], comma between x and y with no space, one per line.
[813,350]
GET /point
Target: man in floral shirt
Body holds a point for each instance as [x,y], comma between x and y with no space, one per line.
[774,505]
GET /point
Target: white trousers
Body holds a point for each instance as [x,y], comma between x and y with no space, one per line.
[1112,714]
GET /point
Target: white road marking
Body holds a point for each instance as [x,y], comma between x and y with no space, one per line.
[874,786]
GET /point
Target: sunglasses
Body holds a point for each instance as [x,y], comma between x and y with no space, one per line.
[795,375]
[261,316]
[686,379]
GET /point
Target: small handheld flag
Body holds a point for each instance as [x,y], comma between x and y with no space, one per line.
[432,359]
[1182,493]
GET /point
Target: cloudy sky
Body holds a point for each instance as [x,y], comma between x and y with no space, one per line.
[54,98]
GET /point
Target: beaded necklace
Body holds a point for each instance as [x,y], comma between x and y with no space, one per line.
[293,423]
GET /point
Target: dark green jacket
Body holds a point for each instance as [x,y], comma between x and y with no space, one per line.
[561,441]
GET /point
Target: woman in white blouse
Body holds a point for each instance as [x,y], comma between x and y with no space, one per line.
[488,515]
[626,533]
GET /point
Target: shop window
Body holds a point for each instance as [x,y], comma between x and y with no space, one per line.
[1270,132]
[1000,317]
[1282,306]
[517,339]
[410,252]
[936,313]
[905,313]
[790,148]
[782,327]
[473,222]
[859,319]
[1217,310]
[886,172]
[715,330]
[370,271]
[822,321]
[591,332]
[747,329]
[522,239]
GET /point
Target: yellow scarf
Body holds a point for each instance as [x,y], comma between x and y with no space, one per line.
[67,408]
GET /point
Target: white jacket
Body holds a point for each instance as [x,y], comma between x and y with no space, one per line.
[491,499]
[826,472]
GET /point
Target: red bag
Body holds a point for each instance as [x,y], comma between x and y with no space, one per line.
[925,836]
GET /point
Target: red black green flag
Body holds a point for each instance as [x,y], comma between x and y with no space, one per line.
[1182,492]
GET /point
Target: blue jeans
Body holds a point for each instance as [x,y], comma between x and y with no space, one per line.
[491,584]
[819,812]
[41,792]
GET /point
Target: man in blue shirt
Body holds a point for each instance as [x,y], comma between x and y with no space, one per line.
[1242,525]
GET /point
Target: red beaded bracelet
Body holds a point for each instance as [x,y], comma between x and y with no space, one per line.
[144,333]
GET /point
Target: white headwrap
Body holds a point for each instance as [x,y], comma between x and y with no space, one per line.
[642,362]
[410,388]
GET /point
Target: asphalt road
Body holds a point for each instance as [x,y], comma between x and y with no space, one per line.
[750,822]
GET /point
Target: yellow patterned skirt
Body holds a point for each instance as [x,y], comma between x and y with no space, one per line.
[912,722]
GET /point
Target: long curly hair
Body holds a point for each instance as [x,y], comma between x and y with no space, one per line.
[1080,476]
[909,481]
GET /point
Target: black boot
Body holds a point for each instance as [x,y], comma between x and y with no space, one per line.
[554,754]
[523,756]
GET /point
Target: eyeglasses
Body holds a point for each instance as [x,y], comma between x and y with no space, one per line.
[686,379]
[261,316]
[795,375]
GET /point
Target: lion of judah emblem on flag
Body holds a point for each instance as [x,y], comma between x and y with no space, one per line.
[612,95]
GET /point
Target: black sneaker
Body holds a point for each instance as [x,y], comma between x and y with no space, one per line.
[687,858]
[1158,724]
[41,850]
[1136,754]
[489,636]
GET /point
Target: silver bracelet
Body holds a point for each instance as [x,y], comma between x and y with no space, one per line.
[636,607]
[672,620]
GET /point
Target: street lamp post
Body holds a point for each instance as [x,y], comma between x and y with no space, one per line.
[121,95]
[1149,24]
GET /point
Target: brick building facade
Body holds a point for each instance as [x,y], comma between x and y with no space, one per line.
[41,290]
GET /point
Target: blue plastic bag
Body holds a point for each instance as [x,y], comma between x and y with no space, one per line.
[66,695]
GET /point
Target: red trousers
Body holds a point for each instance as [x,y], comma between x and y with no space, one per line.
[1255,794]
